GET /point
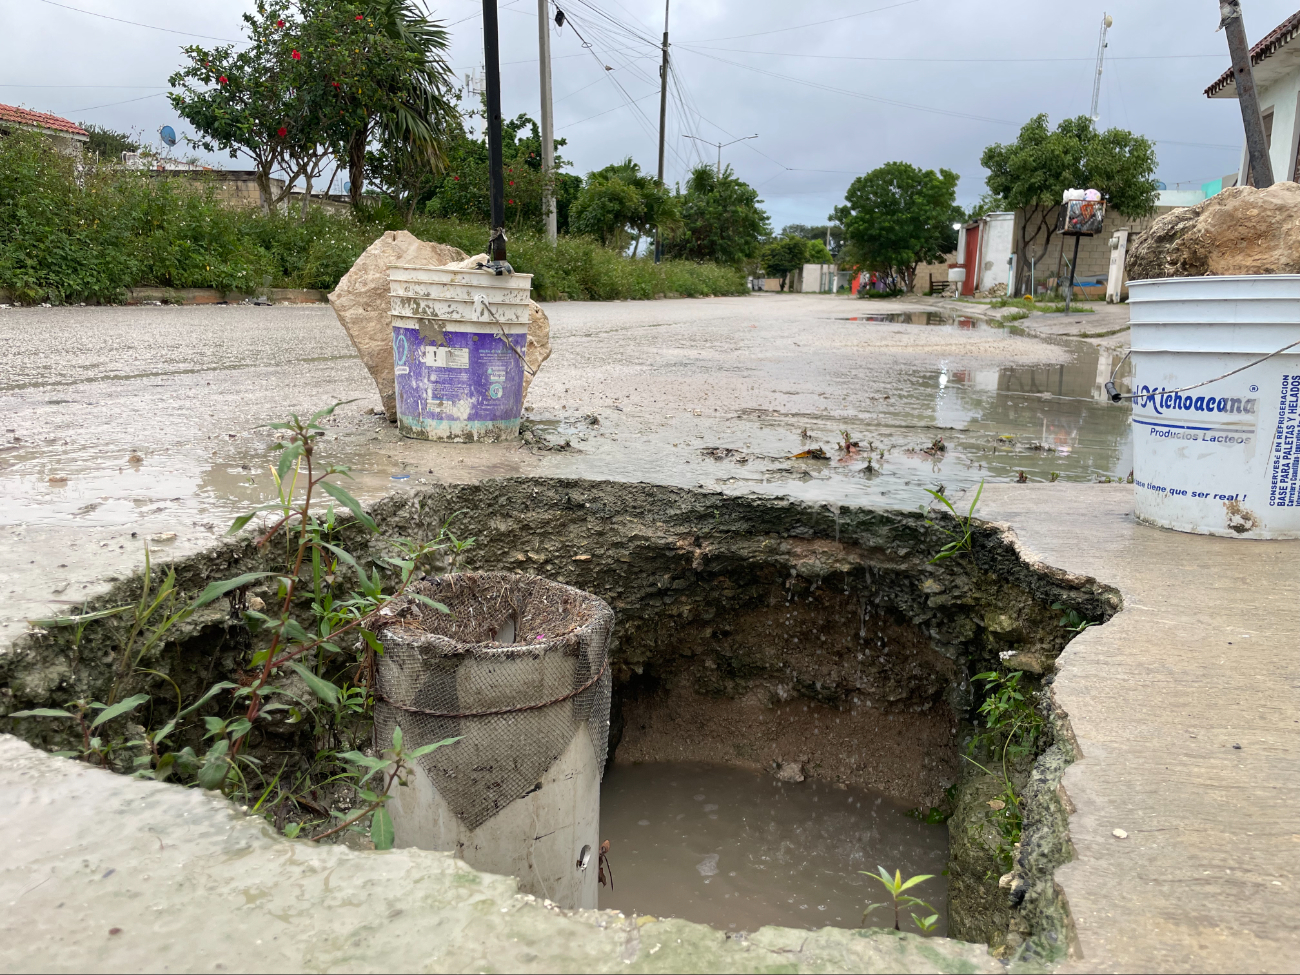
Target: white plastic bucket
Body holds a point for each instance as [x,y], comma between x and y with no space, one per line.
[459,337]
[1223,459]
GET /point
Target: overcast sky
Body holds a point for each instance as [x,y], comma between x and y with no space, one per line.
[832,90]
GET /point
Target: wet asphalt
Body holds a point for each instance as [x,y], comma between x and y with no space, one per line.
[132,424]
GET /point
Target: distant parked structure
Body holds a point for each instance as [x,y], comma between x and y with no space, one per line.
[68,137]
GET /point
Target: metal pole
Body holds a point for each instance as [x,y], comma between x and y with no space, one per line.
[1069,294]
[496,181]
[1261,169]
[548,123]
[663,119]
[717,171]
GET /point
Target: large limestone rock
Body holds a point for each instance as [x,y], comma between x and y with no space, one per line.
[1239,231]
[361,303]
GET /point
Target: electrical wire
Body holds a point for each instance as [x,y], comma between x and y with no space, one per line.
[127,101]
[136,23]
[854,94]
[861,57]
[818,23]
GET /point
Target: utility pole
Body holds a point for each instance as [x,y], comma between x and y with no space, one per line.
[496,181]
[723,145]
[1106,21]
[548,123]
[663,120]
[1261,169]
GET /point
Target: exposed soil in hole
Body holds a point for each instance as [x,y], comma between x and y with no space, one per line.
[734,614]
[738,849]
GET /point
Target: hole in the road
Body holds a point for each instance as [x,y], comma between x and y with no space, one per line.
[793,695]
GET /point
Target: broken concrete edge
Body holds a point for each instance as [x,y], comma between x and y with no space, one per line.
[41,670]
[1042,927]
[332,907]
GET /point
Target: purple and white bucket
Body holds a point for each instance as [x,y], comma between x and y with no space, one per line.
[459,337]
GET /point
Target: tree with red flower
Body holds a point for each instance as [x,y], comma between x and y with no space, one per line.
[282,132]
[222,80]
[296,56]
[279,23]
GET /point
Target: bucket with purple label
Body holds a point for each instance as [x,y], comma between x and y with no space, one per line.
[459,338]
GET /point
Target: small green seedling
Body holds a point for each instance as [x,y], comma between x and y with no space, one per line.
[895,886]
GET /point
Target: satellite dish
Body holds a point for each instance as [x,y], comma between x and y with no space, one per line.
[347,186]
[1161,186]
[168,135]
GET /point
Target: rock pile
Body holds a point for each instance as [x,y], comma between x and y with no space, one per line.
[1241,230]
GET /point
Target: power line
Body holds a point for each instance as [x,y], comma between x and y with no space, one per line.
[136,23]
[17,85]
[855,94]
[126,101]
[817,23]
[856,57]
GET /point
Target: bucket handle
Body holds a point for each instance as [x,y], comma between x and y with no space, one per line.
[481,304]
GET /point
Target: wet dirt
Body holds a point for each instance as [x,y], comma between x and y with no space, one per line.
[738,849]
[715,393]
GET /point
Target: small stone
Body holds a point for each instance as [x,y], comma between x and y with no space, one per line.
[1007,879]
[135,459]
[787,771]
[997,804]
[58,479]
[163,538]
[256,603]
[1119,834]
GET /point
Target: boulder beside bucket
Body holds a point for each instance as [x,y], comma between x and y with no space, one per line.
[1224,458]
[459,337]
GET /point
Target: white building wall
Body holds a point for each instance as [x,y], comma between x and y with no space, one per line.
[1283,97]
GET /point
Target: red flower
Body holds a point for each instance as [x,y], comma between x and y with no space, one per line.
[361,17]
[510,201]
[456,178]
[334,83]
[279,23]
[282,132]
[222,80]
[512,182]
[296,56]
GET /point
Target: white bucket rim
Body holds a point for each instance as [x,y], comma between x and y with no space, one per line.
[1140,282]
[477,272]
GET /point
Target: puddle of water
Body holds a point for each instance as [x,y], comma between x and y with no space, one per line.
[737,849]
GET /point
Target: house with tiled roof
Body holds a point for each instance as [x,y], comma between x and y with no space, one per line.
[1275,64]
[67,136]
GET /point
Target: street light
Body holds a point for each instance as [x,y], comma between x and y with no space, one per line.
[721,146]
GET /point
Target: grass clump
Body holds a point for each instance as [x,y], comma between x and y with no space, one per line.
[84,233]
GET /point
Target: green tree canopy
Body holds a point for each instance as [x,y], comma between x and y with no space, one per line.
[109,144]
[620,205]
[784,255]
[721,219]
[1032,173]
[461,190]
[820,232]
[899,216]
[319,78]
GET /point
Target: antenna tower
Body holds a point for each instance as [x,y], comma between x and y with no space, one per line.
[1106,21]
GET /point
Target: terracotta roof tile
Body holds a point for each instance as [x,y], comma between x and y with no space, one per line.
[43,120]
[1272,42]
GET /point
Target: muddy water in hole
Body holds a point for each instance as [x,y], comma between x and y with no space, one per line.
[737,849]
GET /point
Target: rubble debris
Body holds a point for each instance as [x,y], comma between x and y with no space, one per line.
[812,453]
[1241,230]
[788,771]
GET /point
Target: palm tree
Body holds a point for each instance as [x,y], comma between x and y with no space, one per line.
[413,107]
